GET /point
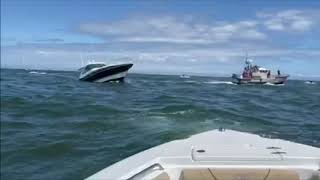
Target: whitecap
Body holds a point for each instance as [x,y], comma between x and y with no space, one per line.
[270,84]
[190,81]
[220,82]
[36,72]
[310,82]
[182,112]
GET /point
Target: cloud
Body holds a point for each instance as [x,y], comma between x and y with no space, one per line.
[163,44]
[158,54]
[50,40]
[169,59]
[288,20]
[173,30]
[8,39]
[169,29]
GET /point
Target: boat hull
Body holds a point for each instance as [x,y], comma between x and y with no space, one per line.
[107,74]
[273,80]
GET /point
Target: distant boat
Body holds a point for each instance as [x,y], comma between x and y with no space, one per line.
[100,72]
[219,155]
[184,76]
[310,82]
[254,74]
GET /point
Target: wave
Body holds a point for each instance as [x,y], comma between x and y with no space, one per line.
[56,119]
[310,82]
[270,84]
[182,112]
[36,72]
[220,82]
[190,81]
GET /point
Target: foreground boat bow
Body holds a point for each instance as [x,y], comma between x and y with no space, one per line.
[219,155]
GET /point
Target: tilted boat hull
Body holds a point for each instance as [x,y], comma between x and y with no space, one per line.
[108,73]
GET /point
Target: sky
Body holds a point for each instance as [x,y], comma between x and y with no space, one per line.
[163,36]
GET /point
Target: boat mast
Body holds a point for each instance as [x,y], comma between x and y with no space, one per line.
[246,57]
[81,57]
[247,62]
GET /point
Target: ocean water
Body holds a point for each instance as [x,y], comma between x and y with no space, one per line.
[56,127]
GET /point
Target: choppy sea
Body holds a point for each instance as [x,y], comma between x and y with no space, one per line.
[56,127]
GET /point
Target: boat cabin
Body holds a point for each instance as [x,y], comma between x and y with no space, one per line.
[255,72]
[91,66]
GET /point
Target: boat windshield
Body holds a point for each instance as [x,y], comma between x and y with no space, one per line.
[91,66]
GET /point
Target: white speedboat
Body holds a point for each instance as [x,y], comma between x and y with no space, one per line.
[100,72]
[220,155]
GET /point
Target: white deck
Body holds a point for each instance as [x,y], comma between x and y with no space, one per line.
[222,149]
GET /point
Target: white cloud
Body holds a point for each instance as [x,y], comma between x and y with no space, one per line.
[155,44]
[164,40]
[288,20]
[168,29]
[172,30]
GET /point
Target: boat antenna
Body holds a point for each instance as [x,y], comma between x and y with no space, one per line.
[81,57]
[246,55]
[246,58]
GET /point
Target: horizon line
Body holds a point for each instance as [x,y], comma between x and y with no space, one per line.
[317,78]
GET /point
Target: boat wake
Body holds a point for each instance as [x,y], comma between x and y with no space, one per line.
[220,82]
[190,81]
[36,72]
[270,84]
